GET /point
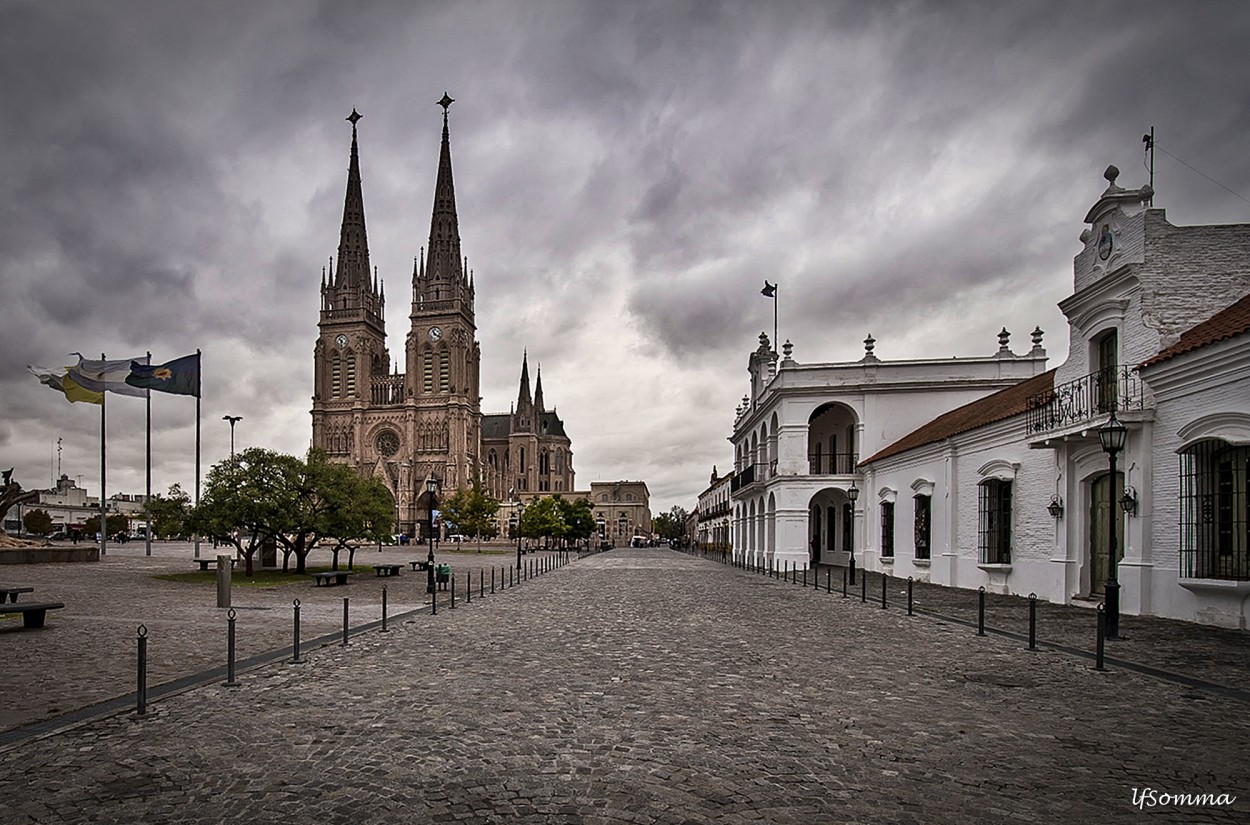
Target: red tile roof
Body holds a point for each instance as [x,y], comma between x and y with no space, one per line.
[1001,405]
[1227,323]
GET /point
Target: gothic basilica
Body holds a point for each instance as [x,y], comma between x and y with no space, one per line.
[425,423]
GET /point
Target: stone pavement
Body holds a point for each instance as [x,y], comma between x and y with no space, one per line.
[648,686]
[86,654]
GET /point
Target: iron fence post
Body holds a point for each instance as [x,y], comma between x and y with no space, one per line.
[911,582]
[345,621]
[1032,621]
[981,611]
[230,680]
[1102,633]
[295,659]
[384,630]
[141,688]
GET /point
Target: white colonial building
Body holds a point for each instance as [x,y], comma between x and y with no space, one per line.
[1013,490]
[712,515]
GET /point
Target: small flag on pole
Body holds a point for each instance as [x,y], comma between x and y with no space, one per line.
[769,290]
[180,376]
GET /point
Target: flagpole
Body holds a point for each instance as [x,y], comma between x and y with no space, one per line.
[147,499]
[104,529]
[198,373]
[776,343]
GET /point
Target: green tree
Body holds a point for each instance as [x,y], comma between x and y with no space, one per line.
[578,516]
[116,522]
[472,510]
[542,519]
[168,513]
[671,525]
[359,510]
[247,499]
[37,522]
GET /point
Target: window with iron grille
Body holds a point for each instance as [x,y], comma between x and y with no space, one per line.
[1215,511]
[924,506]
[994,513]
[887,529]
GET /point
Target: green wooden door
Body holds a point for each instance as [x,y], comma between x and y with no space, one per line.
[1102,504]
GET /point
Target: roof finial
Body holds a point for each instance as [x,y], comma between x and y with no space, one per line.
[446,104]
[353,117]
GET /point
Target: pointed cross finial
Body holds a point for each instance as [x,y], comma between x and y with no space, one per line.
[353,117]
[446,103]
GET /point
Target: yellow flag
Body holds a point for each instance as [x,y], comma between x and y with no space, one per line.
[74,392]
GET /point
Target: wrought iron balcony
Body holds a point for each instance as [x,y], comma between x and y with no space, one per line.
[1084,399]
[832,464]
[742,478]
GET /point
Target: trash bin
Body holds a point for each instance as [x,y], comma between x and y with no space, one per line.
[442,575]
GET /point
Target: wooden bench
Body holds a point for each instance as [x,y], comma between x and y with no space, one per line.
[9,594]
[386,569]
[212,562]
[33,613]
[331,577]
[420,565]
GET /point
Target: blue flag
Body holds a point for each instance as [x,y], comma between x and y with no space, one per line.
[180,376]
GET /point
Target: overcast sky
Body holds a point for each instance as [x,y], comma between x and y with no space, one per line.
[627,175]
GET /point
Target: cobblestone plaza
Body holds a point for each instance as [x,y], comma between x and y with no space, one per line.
[630,686]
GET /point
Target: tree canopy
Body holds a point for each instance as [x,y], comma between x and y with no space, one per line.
[168,513]
[37,522]
[557,518]
[671,525]
[472,511]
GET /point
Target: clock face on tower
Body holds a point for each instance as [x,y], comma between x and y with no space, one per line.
[341,340]
[435,333]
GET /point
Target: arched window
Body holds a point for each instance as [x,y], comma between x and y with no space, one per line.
[444,371]
[336,376]
[427,370]
[350,389]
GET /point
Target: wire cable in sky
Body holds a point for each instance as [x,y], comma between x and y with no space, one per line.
[1196,172]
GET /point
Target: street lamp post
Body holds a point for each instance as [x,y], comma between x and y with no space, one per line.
[233,419]
[431,487]
[1113,435]
[516,520]
[852,494]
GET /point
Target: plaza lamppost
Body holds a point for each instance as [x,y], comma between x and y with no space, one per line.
[852,495]
[1113,435]
[603,531]
[233,419]
[516,528]
[431,487]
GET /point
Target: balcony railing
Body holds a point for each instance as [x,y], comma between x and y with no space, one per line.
[1084,399]
[388,390]
[833,464]
[742,478]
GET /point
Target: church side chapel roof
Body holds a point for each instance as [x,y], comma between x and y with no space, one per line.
[496,426]
[997,407]
[1227,323]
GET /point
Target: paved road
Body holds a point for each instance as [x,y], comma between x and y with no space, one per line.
[648,686]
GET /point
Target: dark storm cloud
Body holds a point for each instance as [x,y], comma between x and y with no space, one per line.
[627,176]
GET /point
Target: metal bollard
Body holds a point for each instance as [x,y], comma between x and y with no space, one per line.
[141,691]
[296,660]
[863,589]
[829,581]
[1032,621]
[492,580]
[844,582]
[434,602]
[981,611]
[453,591]
[468,588]
[509,575]
[1102,635]
[344,621]
[805,577]
[384,630]
[885,582]
[911,582]
[230,680]
[481,583]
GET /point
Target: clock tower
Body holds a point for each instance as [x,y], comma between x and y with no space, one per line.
[351,343]
[426,422]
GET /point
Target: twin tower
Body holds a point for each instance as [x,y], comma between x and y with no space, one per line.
[426,422]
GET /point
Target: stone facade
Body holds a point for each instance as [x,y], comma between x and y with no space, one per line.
[713,522]
[622,509]
[426,422]
[1141,285]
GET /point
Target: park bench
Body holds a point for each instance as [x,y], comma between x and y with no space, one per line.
[386,569]
[330,577]
[33,613]
[420,565]
[9,594]
[212,562]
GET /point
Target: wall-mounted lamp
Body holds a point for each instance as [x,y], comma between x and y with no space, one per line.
[1128,501]
[1055,508]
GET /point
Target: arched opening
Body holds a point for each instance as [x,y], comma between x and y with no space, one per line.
[831,440]
[830,527]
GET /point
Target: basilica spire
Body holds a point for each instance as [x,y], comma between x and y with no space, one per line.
[538,390]
[523,401]
[353,258]
[443,257]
